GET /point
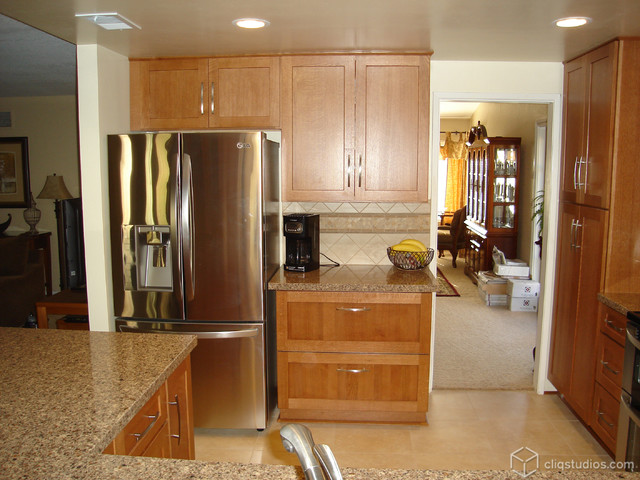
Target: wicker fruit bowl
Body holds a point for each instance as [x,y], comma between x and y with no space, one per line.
[410,260]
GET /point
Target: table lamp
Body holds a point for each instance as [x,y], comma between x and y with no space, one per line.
[55,189]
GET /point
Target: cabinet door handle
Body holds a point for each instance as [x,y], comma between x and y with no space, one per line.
[154,419]
[348,170]
[177,404]
[580,184]
[601,415]
[360,171]
[606,365]
[201,98]
[573,232]
[575,170]
[615,327]
[353,309]
[352,370]
[578,241]
[213,106]
[586,173]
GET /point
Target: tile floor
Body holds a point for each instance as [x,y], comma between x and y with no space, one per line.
[468,430]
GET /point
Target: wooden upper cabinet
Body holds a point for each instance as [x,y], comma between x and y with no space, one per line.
[169,94]
[392,128]
[244,92]
[198,93]
[318,109]
[355,127]
[589,114]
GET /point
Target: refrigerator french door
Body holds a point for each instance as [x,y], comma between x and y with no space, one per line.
[194,232]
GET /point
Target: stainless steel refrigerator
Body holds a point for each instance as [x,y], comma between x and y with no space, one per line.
[195,233]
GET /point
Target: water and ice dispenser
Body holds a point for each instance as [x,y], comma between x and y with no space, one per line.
[147,261]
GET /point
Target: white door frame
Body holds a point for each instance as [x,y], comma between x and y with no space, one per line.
[539,160]
[552,188]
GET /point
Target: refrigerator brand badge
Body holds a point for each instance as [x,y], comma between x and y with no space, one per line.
[243,145]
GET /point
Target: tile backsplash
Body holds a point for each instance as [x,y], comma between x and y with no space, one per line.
[359,233]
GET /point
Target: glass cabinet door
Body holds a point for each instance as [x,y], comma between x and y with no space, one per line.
[505,169]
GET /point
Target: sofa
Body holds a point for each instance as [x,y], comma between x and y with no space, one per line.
[21,280]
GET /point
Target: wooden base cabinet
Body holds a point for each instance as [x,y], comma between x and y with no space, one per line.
[353,356]
[164,425]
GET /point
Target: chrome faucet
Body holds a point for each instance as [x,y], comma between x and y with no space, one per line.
[297,439]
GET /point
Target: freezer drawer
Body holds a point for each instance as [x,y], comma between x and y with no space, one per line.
[228,369]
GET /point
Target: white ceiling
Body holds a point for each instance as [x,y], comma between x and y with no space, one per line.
[497,30]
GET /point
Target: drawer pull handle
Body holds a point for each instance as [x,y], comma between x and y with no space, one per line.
[353,370]
[601,415]
[616,328]
[177,404]
[606,365]
[353,309]
[154,419]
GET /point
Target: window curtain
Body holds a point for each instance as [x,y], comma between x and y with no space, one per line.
[455,152]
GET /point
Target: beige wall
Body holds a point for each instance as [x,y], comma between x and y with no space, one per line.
[517,120]
[51,127]
[103,108]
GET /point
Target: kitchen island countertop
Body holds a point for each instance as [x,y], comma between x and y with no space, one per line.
[65,394]
[356,278]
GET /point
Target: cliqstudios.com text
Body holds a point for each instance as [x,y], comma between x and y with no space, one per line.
[587,465]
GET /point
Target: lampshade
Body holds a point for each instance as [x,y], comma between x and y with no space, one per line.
[55,188]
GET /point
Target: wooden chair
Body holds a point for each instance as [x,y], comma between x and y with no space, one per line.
[453,237]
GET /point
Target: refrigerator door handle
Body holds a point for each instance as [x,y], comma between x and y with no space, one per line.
[251,332]
[186,225]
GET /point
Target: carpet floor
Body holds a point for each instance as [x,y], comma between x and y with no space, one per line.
[480,347]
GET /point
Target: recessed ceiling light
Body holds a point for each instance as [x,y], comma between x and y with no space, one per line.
[250,23]
[109,21]
[570,22]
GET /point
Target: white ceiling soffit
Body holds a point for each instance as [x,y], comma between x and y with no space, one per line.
[34,63]
[458,109]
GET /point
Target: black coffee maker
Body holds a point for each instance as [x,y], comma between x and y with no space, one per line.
[302,239]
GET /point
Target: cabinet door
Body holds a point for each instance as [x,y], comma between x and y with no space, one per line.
[169,94]
[244,92]
[317,127]
[590,243]
[353,386]
[180,412]
[567,281]
[595,174]
[159,446]
[392,128]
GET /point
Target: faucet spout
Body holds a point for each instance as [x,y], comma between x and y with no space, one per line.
[297,439]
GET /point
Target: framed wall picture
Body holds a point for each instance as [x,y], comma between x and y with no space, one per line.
[14,172]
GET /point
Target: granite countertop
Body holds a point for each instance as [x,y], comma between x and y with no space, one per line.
[621,302]
[356,278]
[65,394]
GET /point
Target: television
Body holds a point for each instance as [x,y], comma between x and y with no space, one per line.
[72,265]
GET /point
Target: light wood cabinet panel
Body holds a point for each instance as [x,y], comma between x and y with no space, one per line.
[349,322]
[392,127]
[378,387]
[613,324]
[353,356]
[180,412]
[317,127]
[589,112]
[245,92]
[160,445]
[169,94]
[609,365]
[582,241]
[604,418]
[355,127]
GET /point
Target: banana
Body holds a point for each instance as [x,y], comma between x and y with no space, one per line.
[417,243]
[407,247]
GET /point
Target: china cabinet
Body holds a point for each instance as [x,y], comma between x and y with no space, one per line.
[492,201]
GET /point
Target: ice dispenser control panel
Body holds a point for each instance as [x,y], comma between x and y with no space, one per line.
[146,252]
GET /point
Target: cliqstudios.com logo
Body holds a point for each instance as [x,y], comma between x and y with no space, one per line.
[525,462]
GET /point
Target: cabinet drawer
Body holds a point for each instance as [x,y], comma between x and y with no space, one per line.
[354,322]
[143,428]
[609,365]
[613,324]
[605,416]
[352,386]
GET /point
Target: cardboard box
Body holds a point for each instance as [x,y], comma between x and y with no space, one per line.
[491,283]
[522,288]
[493,300]
[514,268]
[523,304]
